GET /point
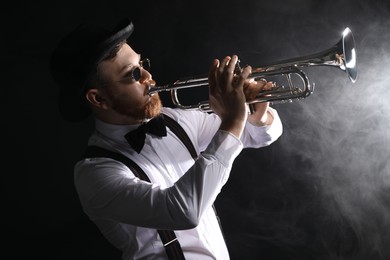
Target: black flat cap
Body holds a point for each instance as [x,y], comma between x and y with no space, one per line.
[74,60]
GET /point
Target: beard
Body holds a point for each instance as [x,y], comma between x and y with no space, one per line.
[146,111]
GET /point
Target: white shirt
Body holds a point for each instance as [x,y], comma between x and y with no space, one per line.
[128,211]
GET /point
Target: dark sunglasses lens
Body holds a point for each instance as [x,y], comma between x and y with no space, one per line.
[137,74]
[145,63]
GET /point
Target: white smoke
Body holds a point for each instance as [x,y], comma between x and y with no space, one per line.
[333,201]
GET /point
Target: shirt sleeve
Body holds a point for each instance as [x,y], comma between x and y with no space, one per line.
[201,127]
[107,189]
[260,136]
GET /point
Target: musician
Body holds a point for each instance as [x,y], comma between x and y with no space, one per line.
[100,74]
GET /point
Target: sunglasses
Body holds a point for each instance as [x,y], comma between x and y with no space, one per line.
[135,74]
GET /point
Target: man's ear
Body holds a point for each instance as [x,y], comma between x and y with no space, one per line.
[95,98]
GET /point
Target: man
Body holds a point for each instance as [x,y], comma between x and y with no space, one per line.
[99,72]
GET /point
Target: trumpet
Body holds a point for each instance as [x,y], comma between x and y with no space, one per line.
[342,55]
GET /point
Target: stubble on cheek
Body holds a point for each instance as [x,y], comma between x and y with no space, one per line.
[138,110]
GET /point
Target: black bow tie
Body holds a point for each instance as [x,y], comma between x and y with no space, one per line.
[155,126]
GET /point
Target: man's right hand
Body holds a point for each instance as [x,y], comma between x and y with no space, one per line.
[226,94]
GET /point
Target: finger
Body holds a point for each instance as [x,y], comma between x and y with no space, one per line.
[270,85]
[262,82]
[212,76]
[221,78]
[252,90]
[264,85]
[231,67]
[222,66]
[230,70]
[243,76]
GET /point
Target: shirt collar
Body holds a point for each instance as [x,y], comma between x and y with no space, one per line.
[116,132]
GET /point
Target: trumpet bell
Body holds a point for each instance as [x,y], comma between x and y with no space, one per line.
[350,58]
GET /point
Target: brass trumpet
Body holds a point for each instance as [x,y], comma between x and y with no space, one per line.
[342,55]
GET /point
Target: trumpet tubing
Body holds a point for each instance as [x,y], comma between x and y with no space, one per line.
[342,56]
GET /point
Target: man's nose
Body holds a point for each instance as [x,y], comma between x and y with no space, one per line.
[146,77]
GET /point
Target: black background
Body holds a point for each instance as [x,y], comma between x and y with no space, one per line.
[322,191]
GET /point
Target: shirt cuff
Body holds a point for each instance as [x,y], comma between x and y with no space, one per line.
[225,147]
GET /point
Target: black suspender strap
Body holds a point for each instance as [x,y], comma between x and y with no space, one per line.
[95,151]
[179,132]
